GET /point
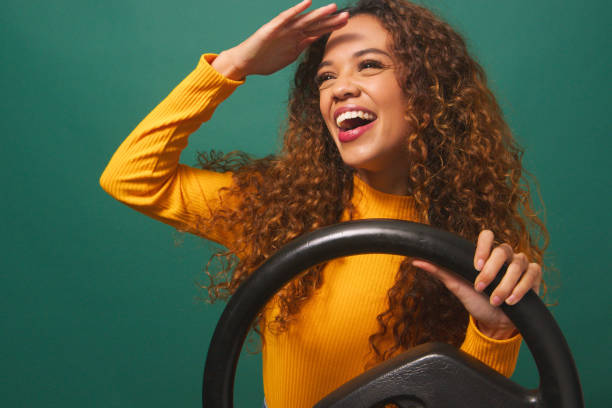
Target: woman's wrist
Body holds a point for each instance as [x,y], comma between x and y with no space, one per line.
[496,333]
[225,65]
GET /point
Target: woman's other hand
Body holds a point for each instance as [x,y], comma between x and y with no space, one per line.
[279,42]
[520,277]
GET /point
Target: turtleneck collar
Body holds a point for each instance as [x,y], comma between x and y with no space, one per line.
[372,203]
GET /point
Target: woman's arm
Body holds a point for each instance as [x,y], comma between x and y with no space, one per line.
[145,173]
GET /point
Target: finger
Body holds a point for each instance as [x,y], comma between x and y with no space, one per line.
[314,16]
[511,277]
[483,248]
[492,266]
[290,13]
[328,26]
[531,279]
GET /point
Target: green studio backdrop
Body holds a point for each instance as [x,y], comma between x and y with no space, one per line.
[99,303]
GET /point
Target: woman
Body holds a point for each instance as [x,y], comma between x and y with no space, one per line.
[390,117]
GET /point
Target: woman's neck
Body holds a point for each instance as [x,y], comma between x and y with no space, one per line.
[389,182]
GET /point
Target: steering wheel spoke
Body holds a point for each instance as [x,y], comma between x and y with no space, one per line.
[406,380]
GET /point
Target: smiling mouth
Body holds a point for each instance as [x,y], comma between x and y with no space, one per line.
[353,119]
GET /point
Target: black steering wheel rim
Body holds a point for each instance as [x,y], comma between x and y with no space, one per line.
[559,382]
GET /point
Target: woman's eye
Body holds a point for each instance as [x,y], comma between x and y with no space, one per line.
[321,78]
[367,64]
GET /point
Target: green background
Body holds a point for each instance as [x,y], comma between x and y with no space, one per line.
[98,304]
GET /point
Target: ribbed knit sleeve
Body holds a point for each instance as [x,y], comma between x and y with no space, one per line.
[501,355]
[145,173]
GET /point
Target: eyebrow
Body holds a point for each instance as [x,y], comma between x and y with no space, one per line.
[358,54]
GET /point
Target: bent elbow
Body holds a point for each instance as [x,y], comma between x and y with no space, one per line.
[110,181]
[114,183]
[137,189]
[106,182]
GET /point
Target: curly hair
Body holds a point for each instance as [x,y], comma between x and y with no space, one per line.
[466,175]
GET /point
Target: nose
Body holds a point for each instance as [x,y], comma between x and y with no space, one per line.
[344,88]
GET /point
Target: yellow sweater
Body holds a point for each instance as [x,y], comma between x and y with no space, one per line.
[328,345]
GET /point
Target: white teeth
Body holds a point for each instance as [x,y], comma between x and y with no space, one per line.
[353,114]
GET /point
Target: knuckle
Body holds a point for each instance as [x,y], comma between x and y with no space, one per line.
[497,251]
[502,292]
[522,260]
[507,250]
[283,17]
[537,269]
[500,251]
[268,28]
[487,276]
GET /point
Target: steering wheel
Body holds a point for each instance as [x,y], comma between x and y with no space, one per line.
[430,375]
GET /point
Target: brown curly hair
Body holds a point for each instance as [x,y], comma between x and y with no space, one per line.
[466,175]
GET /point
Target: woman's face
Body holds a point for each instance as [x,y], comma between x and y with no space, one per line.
[361,101]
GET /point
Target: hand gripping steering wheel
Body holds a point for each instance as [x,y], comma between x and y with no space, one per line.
[430,375]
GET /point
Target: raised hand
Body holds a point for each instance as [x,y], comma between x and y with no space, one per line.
[279,42]
[521,276]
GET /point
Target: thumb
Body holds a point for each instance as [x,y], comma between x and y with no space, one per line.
[456,285]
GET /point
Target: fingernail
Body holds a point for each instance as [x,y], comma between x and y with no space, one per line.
[511,300]
[480,286]
[496,301]
[479,264]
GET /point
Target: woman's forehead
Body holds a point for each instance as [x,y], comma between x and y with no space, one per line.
[361,32]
